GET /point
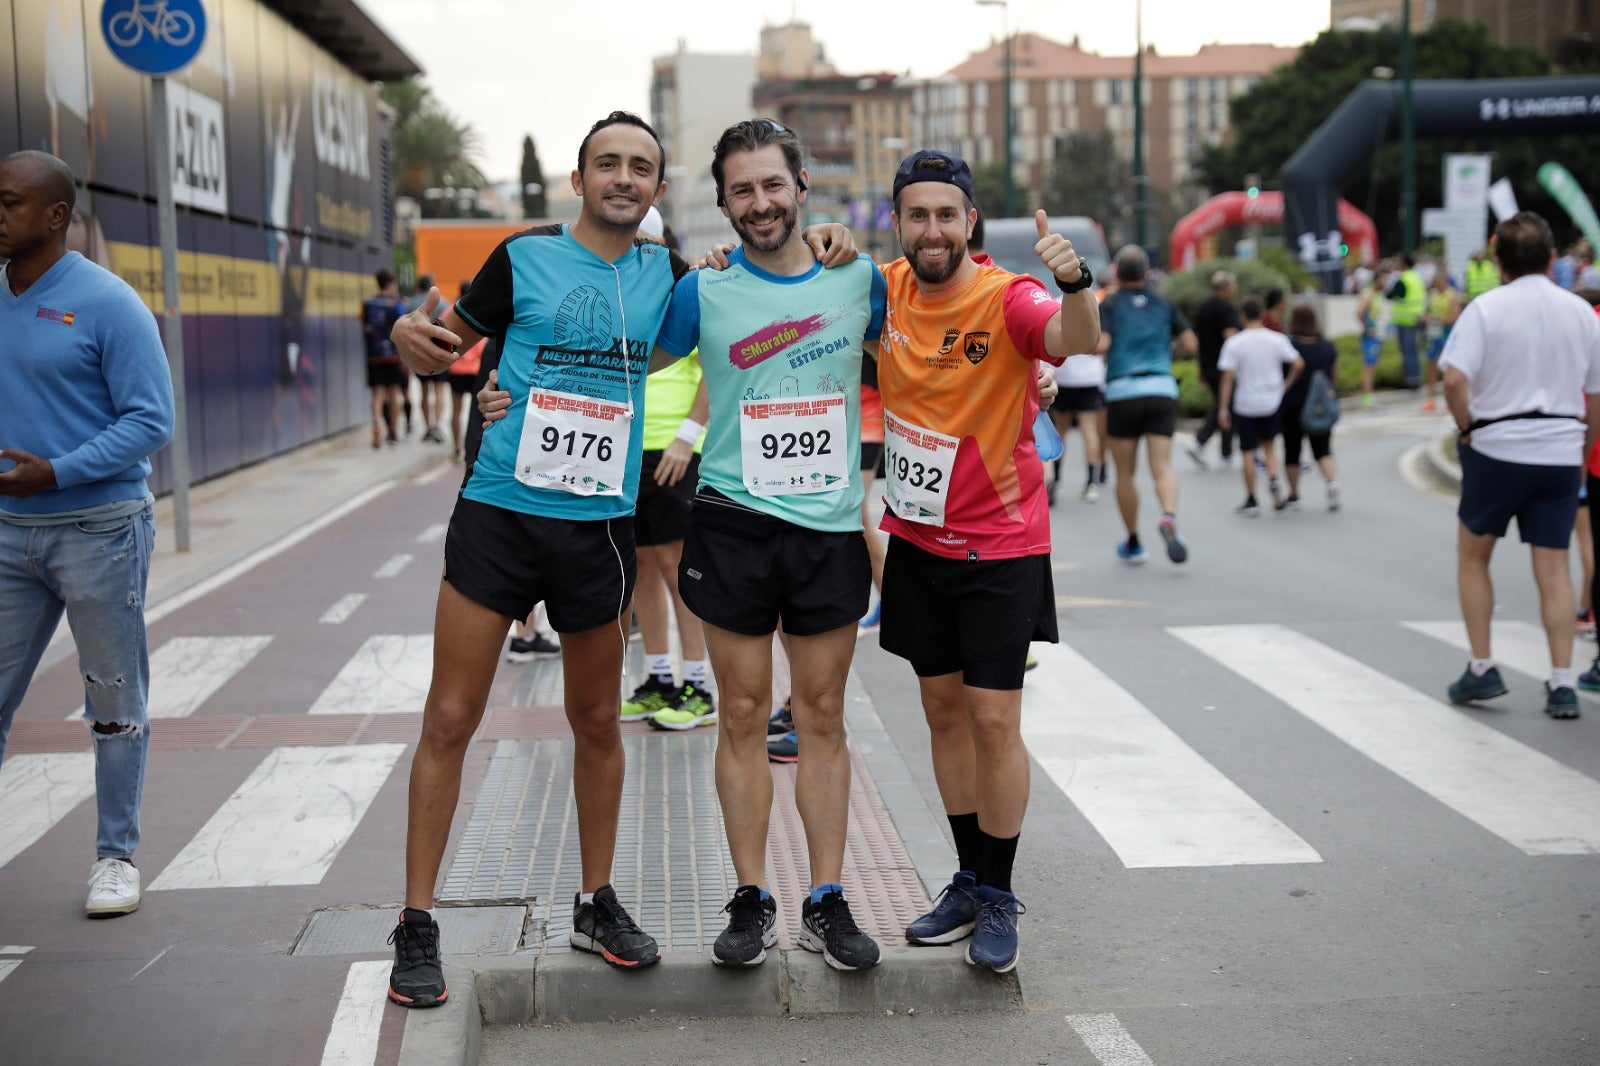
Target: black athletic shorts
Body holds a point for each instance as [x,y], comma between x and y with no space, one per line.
[509,562]
[1086,398]
[743,571]
[1141,416]
[1254,432]
[383,375]
[460,384]
[662,514]
[1543,499]
[949,615]
[871,456]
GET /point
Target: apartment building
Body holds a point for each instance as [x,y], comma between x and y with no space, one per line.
[1550,26]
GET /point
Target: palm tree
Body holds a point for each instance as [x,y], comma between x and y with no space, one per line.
[433,150]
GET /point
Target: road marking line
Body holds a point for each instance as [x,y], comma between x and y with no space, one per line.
[433,475]
[287,822]
[353,1040]
[1523,796]
[342,609]
[255,559]
[1153,798]
[36,792]
[159,955]
[8,965]
[15,949]
[393,566]
[1107,1040]
[1520,645]
[434,533]
[388,674]
[185,671]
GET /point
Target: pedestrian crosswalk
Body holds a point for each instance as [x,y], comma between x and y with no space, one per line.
[1158,796]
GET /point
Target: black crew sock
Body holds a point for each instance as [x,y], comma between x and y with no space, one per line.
[1090,479]
[969,847]
[1133,541]
[996,859]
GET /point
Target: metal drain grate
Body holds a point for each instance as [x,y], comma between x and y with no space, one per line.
[462,931]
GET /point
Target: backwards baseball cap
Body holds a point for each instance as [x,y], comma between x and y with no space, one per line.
[930,164]
[652,224]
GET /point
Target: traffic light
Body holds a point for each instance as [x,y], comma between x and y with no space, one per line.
[1252,185]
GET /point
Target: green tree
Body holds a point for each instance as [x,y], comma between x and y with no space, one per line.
[433,152]
[989,189]
[1087,177]
[533,202]
[1282,110]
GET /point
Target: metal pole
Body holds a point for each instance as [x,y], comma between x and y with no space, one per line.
[1139,178]
[1408,138]
[172,317]
[1011,164]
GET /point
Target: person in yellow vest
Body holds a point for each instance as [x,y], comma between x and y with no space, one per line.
[1483,274]
[1408,301]
[1443,307]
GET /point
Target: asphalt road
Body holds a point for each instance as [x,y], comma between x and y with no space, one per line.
[1380,881]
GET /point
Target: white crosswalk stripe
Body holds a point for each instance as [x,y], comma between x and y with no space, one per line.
[1153,798]
[287,822]
[389,674]
[393,566]
[186,671]
[36,792]
[342,609]
[1108,1041]
[353,1039]
[7,966]
[1521,795]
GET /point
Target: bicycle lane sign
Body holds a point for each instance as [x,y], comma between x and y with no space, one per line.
[155,37]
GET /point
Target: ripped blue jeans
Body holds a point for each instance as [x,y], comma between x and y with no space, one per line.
[97,573]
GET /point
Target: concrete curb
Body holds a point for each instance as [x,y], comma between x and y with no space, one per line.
[1440,461]
[450,1034]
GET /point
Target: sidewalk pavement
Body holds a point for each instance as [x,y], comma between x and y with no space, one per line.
[897,851]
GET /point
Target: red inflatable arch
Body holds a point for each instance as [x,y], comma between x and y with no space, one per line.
[1266,208]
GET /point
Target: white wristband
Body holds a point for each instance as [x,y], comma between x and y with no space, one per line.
[689,432]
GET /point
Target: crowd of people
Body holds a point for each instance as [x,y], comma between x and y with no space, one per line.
[701,443]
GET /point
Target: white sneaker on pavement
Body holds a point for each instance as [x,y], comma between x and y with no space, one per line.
[113,889]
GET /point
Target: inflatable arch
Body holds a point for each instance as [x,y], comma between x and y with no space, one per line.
[1265,208]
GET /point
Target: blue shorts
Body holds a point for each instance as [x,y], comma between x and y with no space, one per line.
[1370,347]
[1543,499]
[1436,346]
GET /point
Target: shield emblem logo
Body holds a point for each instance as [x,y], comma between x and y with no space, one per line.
[976,346]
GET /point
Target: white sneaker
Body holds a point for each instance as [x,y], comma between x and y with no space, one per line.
[113,889]
[1090,493]
[1198,455]
[1333,495]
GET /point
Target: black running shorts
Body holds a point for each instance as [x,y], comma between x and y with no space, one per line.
[662,513]
[1141,416]
[1255,432]
[385,375]
[509,562]
[1084,398]
[743,571]
[976,618]
[1543,499]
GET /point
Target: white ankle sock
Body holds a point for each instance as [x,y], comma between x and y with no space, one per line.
[585,897]
[1561,677]
[1479,667]
[659,665]
[694,672]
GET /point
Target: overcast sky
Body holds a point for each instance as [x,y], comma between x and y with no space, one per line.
[551,67]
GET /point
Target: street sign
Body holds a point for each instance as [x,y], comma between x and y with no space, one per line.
[154,37]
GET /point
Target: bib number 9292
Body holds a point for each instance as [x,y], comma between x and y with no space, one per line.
[802,445]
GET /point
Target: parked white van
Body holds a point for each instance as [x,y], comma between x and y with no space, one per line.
[1009,242]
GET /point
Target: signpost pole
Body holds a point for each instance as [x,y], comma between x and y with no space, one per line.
[172,316]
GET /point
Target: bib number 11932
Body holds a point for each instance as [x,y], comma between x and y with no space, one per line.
[917,464]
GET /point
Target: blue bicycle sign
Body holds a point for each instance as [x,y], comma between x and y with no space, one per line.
[154,36]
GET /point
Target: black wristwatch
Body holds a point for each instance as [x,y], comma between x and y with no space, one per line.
[1085,279]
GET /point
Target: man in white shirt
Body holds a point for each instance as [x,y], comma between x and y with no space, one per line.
[1521,371]
[1253,385]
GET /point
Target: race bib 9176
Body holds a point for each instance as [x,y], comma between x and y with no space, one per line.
[574,444]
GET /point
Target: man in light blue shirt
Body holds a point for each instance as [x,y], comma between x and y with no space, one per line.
[88,399]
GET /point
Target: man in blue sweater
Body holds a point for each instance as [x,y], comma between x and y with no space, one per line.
[88,399]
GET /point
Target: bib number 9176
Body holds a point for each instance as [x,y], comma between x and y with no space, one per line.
[574,444]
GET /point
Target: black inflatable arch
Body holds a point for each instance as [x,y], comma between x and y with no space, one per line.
[1370,115]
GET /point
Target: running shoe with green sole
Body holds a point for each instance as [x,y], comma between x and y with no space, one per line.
[695,707]
[648,699]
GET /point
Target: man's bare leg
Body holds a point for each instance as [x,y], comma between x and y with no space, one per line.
[591,663]
[743,665]
[818,668]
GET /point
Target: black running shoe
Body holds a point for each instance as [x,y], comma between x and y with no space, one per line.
[829,927]
[605,929]
[749,933]
[416,980]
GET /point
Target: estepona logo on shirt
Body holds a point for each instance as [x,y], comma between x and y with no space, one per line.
[52,315]
[770,340]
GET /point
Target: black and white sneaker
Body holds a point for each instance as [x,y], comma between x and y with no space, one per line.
[829,927]
[749,933]
[417,979]
[604,928]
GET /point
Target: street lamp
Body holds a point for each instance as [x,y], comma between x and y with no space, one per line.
[1408,138]
[1140,179]
[1005,30]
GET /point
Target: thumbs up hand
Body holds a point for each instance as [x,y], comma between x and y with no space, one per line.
[424,347]
[1056,252]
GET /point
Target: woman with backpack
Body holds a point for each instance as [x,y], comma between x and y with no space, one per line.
[1310,407]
